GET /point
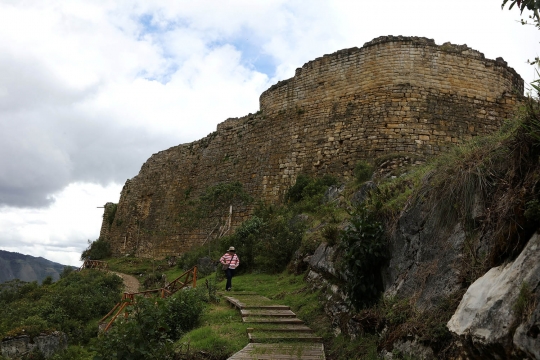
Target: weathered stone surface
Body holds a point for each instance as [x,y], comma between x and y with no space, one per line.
[333,193]
[526,338]
[396,94]
[322,261]
[485,319]
[413,349]
[424,258]
[46,344]
[362,193]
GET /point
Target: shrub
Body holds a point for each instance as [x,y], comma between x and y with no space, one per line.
[331,234]
[307,187]
[364,253]
[141,336]
[67,270]
[525,303]
[73,352]
[111,212]
[152,326]
[97,250]
[280,238]
[294,194]
[67,305]
[184,310]
[244,240]
[363,171]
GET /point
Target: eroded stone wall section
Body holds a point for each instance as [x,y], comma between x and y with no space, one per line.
[393,95]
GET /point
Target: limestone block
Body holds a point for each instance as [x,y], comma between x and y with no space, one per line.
[46,344]
[485,317]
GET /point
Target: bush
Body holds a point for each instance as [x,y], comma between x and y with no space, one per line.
[152,326]
[245,240]
[141,336]
[364,253]
[68,305]
[331,234]
[111,212]
[307,187]
[267,241]
[363,171]
[73,352]
[280,238]
[67,270]
[97,250]
[184,310]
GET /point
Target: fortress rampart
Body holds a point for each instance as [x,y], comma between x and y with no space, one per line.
[393,95]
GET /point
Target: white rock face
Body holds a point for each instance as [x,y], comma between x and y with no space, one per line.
[47,345]
[486,319]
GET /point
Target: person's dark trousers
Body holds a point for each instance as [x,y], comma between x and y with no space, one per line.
[229,273]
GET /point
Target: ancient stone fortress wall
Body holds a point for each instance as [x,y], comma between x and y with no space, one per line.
[393,95]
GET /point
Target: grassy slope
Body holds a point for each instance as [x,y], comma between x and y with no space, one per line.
[222,333]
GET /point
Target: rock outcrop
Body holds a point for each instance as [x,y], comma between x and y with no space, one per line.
[46,344]
[499,315]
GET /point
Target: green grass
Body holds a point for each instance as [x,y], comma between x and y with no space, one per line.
[283,289]
[222,333]
[364,347]
[136,266]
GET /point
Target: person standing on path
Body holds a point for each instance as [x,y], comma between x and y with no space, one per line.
[230,262]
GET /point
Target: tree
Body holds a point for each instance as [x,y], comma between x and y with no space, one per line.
[534,6]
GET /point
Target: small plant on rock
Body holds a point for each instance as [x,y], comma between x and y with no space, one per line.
[363,171]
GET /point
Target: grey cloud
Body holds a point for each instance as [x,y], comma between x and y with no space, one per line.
[43,153]
[27,84]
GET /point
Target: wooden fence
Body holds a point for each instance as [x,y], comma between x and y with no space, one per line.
[186,279]
[94,264]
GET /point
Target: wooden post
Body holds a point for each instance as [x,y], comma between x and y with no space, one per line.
[194,276]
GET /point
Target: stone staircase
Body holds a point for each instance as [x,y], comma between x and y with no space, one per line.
[275,332]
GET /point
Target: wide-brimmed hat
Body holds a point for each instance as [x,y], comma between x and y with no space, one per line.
[231,248]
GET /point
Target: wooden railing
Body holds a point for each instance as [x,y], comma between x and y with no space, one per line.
[94,264]
[186,279]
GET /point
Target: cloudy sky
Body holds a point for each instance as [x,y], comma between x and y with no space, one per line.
[89,89]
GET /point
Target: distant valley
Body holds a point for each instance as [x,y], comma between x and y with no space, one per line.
[27,268]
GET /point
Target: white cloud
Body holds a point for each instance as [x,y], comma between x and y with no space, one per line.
[60,232]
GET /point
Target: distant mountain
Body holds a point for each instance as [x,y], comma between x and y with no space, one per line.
[27,268]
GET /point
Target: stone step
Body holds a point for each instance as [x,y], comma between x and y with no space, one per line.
[272,320]
[282,336]
[298,328]
[267,313]
[258,351]
[263,304]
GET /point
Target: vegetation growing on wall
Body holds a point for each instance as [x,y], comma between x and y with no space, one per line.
[97,250]
[210,210]
[267,241]
[111,212]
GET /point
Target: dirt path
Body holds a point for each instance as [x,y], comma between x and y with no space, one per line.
[131,284]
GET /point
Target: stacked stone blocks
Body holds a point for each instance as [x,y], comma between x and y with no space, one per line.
[393,95]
